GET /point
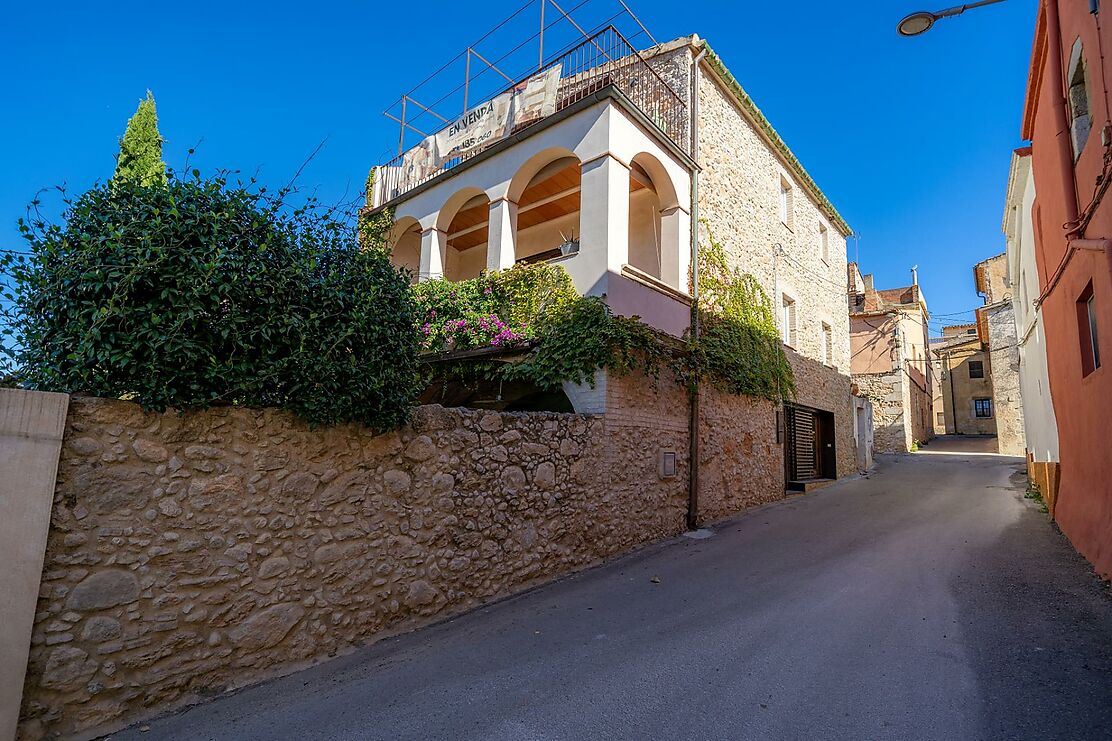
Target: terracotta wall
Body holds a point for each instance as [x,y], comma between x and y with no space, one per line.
[1082,401]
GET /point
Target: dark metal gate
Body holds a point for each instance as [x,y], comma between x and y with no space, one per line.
[800,454]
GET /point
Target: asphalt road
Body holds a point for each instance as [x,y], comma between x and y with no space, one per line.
[928,601]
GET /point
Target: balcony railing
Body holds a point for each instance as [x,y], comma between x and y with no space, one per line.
[601,60]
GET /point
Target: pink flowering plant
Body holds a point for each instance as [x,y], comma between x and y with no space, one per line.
[493,310]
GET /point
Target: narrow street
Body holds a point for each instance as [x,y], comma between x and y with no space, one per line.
[930,600]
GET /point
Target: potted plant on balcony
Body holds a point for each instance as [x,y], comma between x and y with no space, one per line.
[569,244]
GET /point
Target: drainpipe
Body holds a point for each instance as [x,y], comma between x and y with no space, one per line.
[693,439]
[1060,108]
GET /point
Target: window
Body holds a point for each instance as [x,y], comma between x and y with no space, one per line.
[824,243]
[976,369]
[939,419]
[827,344]
[788,323]
[1080,119]
[1087,331]
[785,202]
[982,407]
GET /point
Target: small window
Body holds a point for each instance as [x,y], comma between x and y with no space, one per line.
[976,369]
[982,407]
[788,320]
[786,205]
[940,418]
[1080,118]
[824,243]
[827,344]
[1087,331]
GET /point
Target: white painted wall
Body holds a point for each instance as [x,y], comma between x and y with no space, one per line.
[1040,425]
[606,140]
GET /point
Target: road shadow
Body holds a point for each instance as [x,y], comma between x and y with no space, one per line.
[1038,622]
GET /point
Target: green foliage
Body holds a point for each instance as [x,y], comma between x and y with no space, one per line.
[1034,494]
[739,347]
[579,336]
[497,309]
[202,292]
[572,335]
[140,157]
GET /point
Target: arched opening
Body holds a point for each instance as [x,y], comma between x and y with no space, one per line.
[1080,117]
[656,222]
[465,220]
[644,222]
[547,193]
[405,250]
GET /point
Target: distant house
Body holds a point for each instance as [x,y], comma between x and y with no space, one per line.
[890,360]
[966,386]
[979,365]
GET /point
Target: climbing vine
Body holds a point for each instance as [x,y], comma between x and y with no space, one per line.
[739,348]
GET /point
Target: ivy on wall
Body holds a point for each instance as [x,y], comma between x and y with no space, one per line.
[569,337]
[739,348]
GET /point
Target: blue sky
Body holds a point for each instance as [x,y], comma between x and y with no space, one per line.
[910,138]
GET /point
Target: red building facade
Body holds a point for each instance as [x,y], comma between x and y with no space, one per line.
[1068,120]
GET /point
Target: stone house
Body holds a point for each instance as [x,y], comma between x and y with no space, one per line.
[980,385]
[639,156]
[966,388]
[1039,424]
[890,360]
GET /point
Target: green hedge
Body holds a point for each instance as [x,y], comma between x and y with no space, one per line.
[205,292]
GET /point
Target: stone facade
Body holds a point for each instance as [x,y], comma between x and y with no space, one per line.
[193,553]
[739,192]
[961,386]
[1003,351]
[890,397]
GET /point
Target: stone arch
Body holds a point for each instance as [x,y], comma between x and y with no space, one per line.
[532,167]
[546,191]
[654,241]
[404,239]
[465,220]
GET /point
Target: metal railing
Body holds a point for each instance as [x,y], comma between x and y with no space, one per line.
[601,60]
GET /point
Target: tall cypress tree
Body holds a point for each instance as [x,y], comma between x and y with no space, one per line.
[140,158]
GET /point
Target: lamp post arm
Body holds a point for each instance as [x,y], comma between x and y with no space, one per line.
[959,9]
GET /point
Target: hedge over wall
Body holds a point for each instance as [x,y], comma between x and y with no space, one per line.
[205,291]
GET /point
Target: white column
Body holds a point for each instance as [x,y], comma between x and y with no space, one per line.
[604,214]
[502,235]
[434,247]
[675,247]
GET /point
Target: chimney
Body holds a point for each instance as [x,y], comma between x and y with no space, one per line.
[914,275]
[868,283]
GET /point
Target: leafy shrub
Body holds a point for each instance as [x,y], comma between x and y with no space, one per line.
[579,336]
[497,309]
[201,292]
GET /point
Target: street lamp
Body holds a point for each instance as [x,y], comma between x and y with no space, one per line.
[921,21]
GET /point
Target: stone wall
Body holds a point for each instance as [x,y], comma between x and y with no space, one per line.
[890,397]
[1003,351]
[193,553]
[740,463]
[739,191]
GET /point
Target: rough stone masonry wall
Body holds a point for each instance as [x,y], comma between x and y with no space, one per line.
[889,394]
[192,553]
[1003,365]
[739,193]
